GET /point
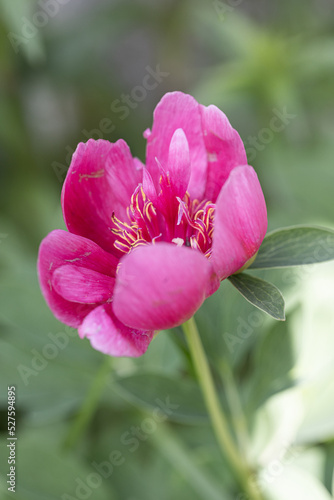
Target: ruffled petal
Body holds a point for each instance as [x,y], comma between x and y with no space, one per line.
[61,248]
[224,147]
[108,335]
[178,111]
[161,286]
[99,182]
[79,284]
[240,221]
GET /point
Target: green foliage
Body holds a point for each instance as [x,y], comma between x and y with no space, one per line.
[295,246]
[260,293]
[181,400]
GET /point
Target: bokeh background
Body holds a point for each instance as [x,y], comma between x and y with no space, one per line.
[90,426]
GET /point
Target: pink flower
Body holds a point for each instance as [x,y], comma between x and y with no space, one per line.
[146,245]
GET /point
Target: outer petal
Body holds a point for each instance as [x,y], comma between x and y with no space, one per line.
[62,248]
[224,147]
[161,286]
[107,334]
[100,181]
[177,110]
[79,284]
[240,222]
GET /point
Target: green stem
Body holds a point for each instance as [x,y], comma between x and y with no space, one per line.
[89,405]
[218,419]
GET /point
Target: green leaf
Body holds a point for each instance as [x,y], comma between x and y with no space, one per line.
[273,360]
[295,246]
[185,463]
[181,401]
[260,293]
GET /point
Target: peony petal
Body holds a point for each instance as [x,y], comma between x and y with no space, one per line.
[79,284]
[148,186]
[224,147]
[100,181]
[240,222]
[62,248]
[179,163]
[139,165]
[107,334]
[161,286]
[178,111]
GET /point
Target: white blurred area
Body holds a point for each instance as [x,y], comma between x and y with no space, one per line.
[303,415]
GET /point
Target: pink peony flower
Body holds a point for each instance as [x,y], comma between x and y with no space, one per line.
[147,244]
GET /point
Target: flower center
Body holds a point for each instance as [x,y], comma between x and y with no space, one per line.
[186,222]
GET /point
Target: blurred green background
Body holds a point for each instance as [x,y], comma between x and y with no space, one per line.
[89,426]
